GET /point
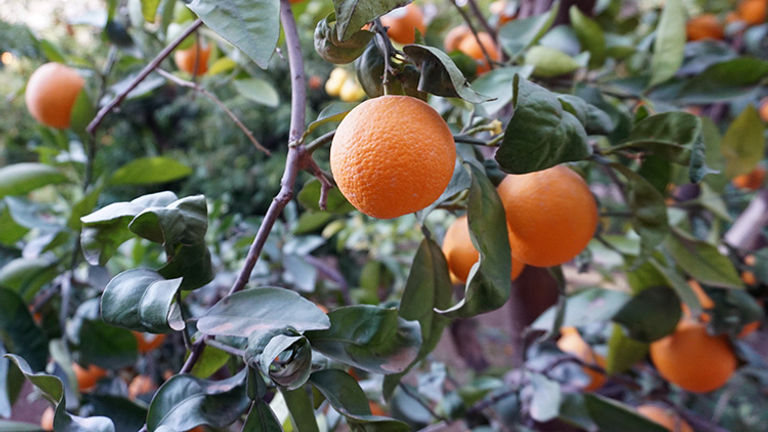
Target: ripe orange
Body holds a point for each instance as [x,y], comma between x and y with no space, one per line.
[315,82]
[461,253]
[748,329]
[753,12]
[706,26]
[148,341]
[392,155]
[454,37]
[571,342]
[753,180]
[469,45]
[693,359]
[748,277]
[46,420]
[704,299]
[551,215]
[51,93]
[403,23]
[764,110]
[665,417]
[140,385]
[87,378]
[193,60]
[376,409]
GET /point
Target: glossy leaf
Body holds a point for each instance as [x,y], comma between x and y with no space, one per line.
[541,134]
[743,144]
[353,14]
[623,351]
[127,416]
[285,359]
[142,300]
[107,346]
[25,276]
[651,314]
[670,135]
[703,262]
[253,27]
[517,35]
[21,178]
[724,81]
[613,416]
[262,310]
[150,170]
[300,409]
[371,338]
[440,75]
[18,331]
[185,402]
[669,46]
[261,419]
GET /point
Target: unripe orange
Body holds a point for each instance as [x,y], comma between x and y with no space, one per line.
[571,342]
[87,378]
[51,93]
[461,254]
[193,60]
[551,215]
[664,417]
[147,342]
[403,23]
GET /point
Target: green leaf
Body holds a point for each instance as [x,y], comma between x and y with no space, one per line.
[743,144]
[541,134]
[149,9]
[651,314]
[107,346]
[488,284]
[584,307]
[498,82]
[150,170]
[517,35]
[669,46]
[678,283]
[353,14]
[670,135]
[12,231]
[334,112]
[440,75]
[126,415]
[371,338]
[346,397]
[547,396]
[261,419]
[703,262]
[25,276]
[333,50]
[185,402]
[309,197]
[428,288]
[82,113]
[614,416]
[211,360]
[623,351]
[549,62]
[724,81]
[84,206]
[14,426]
[262,309]
[286,359]
[142,300]
[18,179]
[258,90]
[300,409]
[253,27]
[590,36]
[18,330]
[649,212]
[106,229]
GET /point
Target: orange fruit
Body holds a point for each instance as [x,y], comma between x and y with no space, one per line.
[315,82]
[454,37]
[693,359]
[665,417]
[51,93]
[551,215]
[403,23]
[376,409]
[704,299]
[748,278]
[571,342]
[46,420]
[392,155]
[731,17]
[705,26]
[764,110]
[470,46]
[193,60]
[87,378]
[148,341]
[141,384]
[461,254]
[753,180]
[748,329]
[753,11]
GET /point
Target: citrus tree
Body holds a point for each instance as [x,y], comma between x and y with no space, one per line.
[200,231]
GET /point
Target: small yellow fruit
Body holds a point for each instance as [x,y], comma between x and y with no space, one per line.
[351,91]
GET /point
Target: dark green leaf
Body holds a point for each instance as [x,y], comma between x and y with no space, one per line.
[669,46]
[262,310]
[253,27]
[18,331]
[25,276]
[724,81]
[107,346]
[678,283]
[670,135]
[541,134]
[285,359]
[354,14]
[743,144]
[185,402]
[590,35]
[613,416]
[703,262]
[126,415]
[309,197]
[623,351]
[21,178]
[150,170]
[440,75]
[142,300]
[368,337]
[261,419]
[651,314]
[300,409]
[517,35]
[82,113]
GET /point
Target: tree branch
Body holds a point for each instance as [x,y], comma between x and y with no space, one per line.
[483,22]
[471,26]
[94,124]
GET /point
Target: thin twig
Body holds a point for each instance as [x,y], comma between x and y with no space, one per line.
[184,334]
[196,86]
[418,399]
[319,141]
[471,26]
[479,15]
[476,141]
[103,112]
[224,347]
